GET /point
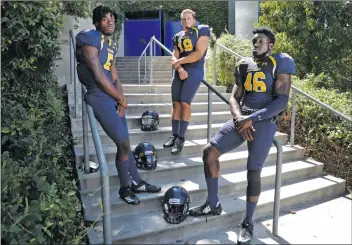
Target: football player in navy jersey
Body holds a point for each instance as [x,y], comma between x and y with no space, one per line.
[96,53]
[190,46]
[263,81]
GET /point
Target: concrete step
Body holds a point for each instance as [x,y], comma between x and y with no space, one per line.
[170,166]
[191,147]
[163,108]
[231,181]
[154,88]
[329,217]
[142,98]
[147,80]
[136,135]
[129,75]
[134,121]
[151,227]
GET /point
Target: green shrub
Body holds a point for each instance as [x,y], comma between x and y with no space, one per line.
[325,136]
[39,201]
[225,62]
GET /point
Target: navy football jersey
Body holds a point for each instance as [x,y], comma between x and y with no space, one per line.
[259,78]
[107,53]
[186,42]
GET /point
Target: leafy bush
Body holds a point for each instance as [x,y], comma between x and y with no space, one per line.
[325,136]
[225,62]
[39,201]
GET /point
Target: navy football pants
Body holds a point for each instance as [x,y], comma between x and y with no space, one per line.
[185,90]
[105,112]
[228,139]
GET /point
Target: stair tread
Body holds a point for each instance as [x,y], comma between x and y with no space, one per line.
[164,115]
[197,182]
[158,144]
[153,222]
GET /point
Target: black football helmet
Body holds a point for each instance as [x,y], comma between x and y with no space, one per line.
[175,204]
[146,156]
[149,121]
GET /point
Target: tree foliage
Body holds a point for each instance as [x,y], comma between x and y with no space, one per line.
[39,202]
[317,34]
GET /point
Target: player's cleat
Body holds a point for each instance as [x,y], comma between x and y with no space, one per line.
[177,148]
[206,209]
[128,196]
[145,187]
[246,233]
[170,142]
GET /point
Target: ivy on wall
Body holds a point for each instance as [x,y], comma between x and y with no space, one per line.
[212,13]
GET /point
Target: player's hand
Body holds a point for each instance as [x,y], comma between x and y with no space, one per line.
[121,110]
[123,103]
[247,133]
[243,122]
[182,73]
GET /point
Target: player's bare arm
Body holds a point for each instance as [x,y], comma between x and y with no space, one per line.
[90,56]
[283,86]
[201,47]
[115,77]
[236,96]
[175,56]
[118,86]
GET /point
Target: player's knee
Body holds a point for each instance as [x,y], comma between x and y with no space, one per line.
[185,105]
[124,148]
[254,183]
[209,155]
[176,105]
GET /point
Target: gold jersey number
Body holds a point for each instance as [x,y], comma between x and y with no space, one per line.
[185,45]
[107,64]
[255,82]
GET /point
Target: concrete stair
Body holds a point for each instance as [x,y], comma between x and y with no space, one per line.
[303,180]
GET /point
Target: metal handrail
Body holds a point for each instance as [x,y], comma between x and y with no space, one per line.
[104,170]
[145,63]
[228,50]
[293,116]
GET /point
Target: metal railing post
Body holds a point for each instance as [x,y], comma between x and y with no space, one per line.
[104,178]
[151,61]
[75,85]
[276,211]
[139,72]
[293,118]
[145,63]
[214,66]
[85,133]
[210,100]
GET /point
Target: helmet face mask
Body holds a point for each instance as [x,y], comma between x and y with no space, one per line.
[146,156]
[175,205]
[149,121]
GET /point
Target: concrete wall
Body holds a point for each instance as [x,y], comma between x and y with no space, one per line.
[242,17]
[246,14]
